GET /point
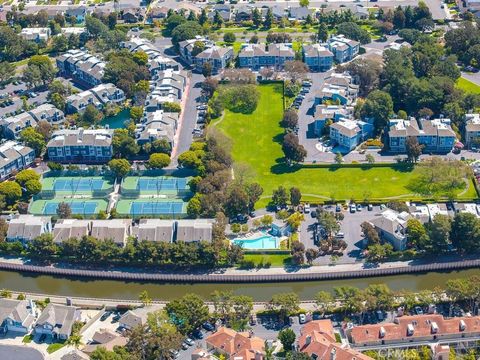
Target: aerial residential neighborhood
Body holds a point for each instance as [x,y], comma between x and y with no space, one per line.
[243,180]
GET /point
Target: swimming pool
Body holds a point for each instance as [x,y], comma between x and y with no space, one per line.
[260,243]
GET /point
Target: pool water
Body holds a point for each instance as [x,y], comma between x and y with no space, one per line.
[261,243]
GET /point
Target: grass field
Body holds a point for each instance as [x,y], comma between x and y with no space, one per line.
[257,140]
[468,86]
[275,260]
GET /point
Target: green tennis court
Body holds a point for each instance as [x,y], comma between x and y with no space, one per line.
[152,207]
[77,185]
[87,207]
[155,185]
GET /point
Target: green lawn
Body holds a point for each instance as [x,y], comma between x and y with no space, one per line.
[468,86]
[275,260]
[257,140]
[27,339]
[54,347]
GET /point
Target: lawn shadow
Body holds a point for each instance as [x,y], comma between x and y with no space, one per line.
[283,168]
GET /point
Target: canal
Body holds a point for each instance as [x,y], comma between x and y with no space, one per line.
[260,292]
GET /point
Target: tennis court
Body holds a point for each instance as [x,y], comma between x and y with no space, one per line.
[151,207]
[78,207]
[155,185]
[84,185]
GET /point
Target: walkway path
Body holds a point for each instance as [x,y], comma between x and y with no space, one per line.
[234,275]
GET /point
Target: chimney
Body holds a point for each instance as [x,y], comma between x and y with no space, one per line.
[463,326]
[434,327]
[382,332]
[410,330]
[308,340]
[333,354]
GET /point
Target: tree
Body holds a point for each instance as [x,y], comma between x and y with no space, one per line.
[42,66]
[324,300]
[64,211]
[95,27]
[136,113]
[290,119]
[285,303]
[229,37]
[33,187]
[203,18]
[295,196]
[294,151]
[370,159]
[268,22]
[217,20]
[280,197]
[123,144]
[25,175]
[367,73]
[414,148]
[465,232]
[379,106]
[304,3]
[311,254]
[379,296]
[187,313]
[295,69]
[327,220]
[186,31]
[158,161]
[353,31]
[145,298]
[256,17]
[44,128]
[33,139]
[370,233]
[207,69]
[7,70]
[338,158]
[287,337]
[439,232]
[417,235]
[194,207]
[120,167]
[237,201]
[11,191]
[294,220]
[241,98]
[91,115]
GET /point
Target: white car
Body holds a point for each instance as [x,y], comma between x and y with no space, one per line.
[302,318]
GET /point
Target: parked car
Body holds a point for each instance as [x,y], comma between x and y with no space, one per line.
[306,208]
[253,320]
[380,316]
[338,208]
[370,207]
[105,315]
[198,334]
[302,319]
[189,342]
[184,346]
[353,208]
[359,207]
[116,317]
[340,235]
[207,326]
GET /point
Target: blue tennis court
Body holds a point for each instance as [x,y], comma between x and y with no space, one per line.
[156,208]
[80,207]
[78,184]
[161,183]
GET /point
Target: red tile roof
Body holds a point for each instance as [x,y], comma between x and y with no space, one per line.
[238,345]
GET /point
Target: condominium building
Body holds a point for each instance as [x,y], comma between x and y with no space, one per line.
[99,96]
[14,157]
[36,34]
[472,131]
[436,135]
[348,134]
[343,49]
[157,125]
[166,86]
[391,226]
[317,57]
[81,146]
[81,67]
[338,88]
[25,228]
[218,57]
[256,56]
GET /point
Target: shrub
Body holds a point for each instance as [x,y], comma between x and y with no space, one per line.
[240,98]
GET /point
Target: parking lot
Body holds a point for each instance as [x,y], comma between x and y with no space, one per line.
[349,226]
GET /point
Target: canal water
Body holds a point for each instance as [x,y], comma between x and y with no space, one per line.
[260,292]
[117,121]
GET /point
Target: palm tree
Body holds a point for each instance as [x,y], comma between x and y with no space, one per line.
[268,351]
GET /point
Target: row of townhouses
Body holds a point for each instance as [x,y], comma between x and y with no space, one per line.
[436,135]
[99,96]
[82,67]
[25,228]
[12,126]
[166,86]
[156,60]
[14,157]
[81,145]
[319,57]
[20,317]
